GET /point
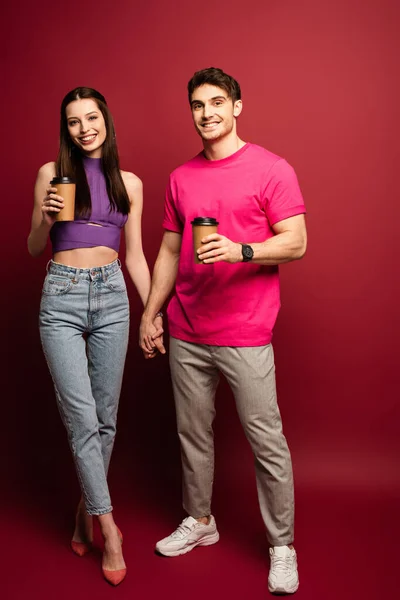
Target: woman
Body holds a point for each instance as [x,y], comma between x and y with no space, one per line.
[84,312]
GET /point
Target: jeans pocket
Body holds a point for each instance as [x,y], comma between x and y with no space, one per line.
[56,285]
[116,282]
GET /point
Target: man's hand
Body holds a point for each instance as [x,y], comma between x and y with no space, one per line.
[217,248]
[151,338]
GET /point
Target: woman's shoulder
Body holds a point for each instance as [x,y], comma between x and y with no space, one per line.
[48,169]
[131,179]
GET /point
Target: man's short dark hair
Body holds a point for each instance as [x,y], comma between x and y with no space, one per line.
[217,77]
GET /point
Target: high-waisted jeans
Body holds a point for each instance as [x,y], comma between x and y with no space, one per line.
[84,328]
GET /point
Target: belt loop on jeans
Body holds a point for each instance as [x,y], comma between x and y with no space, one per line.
[47,266]
[103,274]
[75,278]
[119,263]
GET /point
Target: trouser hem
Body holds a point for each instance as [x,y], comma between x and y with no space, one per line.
[280,541]
[96,513]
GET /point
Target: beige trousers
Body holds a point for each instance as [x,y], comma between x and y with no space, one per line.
[250,372]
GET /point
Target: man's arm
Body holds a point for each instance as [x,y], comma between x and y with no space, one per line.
[164,276]
[289,243]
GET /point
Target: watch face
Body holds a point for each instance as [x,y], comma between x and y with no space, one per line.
[247,252]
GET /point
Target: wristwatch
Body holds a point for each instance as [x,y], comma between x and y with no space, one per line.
[247,252]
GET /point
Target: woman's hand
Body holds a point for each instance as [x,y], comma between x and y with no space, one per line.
[52,204]
[151,338]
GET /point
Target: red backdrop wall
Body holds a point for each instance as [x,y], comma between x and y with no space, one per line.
[318,88]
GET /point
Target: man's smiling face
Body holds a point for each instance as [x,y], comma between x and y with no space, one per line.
[214,114]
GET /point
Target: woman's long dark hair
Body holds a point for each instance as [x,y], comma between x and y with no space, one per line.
[69,160]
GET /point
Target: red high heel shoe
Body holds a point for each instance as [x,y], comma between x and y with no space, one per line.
[81,548]
[115,577]
[121,537]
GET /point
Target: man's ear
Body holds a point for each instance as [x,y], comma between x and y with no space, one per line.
[237,108]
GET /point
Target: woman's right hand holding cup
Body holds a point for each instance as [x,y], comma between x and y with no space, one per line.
[51,206]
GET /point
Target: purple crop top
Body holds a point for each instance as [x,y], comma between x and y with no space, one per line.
[67,235]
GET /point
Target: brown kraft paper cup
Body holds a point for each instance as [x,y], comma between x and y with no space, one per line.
[202,226]
[66,189]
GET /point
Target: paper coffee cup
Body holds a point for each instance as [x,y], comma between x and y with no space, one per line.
[66,189]
[202,226]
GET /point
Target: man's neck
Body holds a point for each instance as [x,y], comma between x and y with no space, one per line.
[222,148]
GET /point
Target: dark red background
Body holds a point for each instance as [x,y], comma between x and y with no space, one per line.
[318,82]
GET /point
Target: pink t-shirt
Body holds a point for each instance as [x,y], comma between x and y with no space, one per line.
[226,304]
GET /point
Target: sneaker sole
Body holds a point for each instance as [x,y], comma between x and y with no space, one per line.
[207,540]
[281,591]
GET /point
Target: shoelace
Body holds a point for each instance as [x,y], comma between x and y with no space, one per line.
[181,531]
[280,564]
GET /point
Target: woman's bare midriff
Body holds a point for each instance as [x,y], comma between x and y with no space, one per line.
[86,258]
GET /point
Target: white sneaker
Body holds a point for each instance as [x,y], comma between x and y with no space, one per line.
[189,534]
[283,577]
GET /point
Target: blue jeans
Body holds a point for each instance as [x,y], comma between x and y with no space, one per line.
[87,373]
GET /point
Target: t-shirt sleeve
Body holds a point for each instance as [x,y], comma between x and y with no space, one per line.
[171,220]
[282,195]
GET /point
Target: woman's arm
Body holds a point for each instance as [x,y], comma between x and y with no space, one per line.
[135,260]
[46,205]
[164,276]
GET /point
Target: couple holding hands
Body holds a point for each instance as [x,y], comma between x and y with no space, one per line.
[221,314]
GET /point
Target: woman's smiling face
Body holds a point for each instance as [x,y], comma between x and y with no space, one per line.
[86,126]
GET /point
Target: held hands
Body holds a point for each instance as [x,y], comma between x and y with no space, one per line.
[151,338]
[52,204]
[217,248]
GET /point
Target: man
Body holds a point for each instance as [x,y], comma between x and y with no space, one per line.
[223,311]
